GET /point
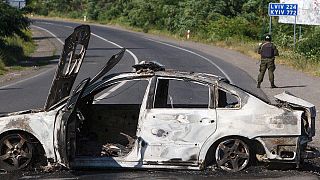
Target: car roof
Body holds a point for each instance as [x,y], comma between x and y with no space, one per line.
[204,77]
[123,76]
[159,70]
[201,77]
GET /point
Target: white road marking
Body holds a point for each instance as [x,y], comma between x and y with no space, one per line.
[15,83]
[109,92]
[194,53]
[136,61]
[49,33]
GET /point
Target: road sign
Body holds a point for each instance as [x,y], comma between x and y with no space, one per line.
[281,9]
[308,14]
[17,3]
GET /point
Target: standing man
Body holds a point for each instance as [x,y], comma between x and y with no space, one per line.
[268,51]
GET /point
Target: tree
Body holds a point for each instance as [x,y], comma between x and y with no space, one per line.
[12,24]
[12,21]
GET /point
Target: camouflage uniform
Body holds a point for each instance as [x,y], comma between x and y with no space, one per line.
[268,52]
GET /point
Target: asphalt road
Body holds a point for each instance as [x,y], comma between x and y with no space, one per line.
[31,93]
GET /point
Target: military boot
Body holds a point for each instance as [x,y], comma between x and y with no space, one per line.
[258,85]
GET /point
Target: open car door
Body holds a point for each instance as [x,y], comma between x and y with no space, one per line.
[72,56]
[69,117]
[110,64]
[64,132]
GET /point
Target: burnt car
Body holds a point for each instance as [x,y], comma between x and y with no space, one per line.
[153,118]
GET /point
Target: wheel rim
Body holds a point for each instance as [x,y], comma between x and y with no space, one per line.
[15,152]
[232,155]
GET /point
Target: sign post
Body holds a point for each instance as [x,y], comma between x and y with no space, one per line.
[294,32]
[270,25]
[282,9]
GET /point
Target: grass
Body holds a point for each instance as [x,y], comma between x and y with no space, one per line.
[3,69]
[14,51]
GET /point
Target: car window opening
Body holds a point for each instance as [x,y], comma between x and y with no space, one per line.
[110,125]
[174,93]
[227,100]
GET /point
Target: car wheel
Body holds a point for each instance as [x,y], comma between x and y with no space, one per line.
[16,152]
[232,155]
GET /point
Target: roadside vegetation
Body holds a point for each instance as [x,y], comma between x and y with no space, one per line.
[15,38]
[236,24]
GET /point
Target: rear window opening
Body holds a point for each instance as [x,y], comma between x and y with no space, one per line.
[227,100]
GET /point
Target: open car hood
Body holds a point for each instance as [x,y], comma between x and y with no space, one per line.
[73,54]
[70,61]
[293,100]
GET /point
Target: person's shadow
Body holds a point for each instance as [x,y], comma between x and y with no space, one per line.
[291,86]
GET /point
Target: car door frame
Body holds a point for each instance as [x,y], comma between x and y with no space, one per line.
[64,131]
[150,107]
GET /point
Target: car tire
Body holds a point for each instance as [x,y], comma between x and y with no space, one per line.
[232,154]
[16,152]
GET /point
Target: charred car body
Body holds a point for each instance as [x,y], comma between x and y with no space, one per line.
[182,120]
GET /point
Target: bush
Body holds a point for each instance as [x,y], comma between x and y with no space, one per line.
[2,65]
[15,49]
[225,28]
[76,15]
[283,40]
[310,45]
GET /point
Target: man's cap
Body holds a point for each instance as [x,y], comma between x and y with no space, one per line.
[267,37]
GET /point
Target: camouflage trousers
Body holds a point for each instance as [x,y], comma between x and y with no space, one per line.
[267,63]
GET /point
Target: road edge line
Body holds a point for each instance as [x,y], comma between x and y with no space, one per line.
[194,53]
